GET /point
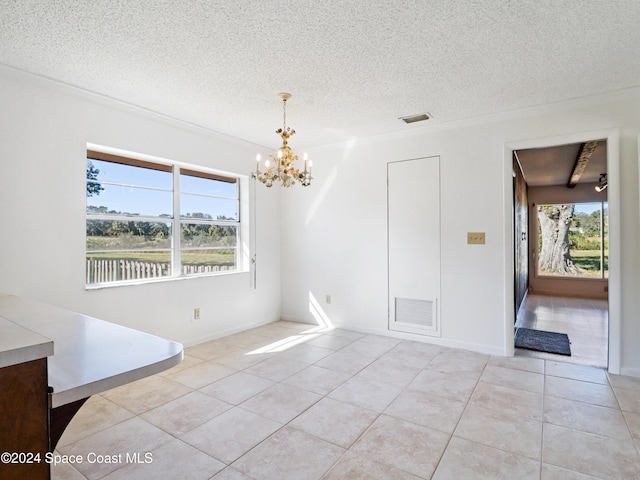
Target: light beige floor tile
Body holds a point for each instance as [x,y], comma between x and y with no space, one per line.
[114,443]
[65,471]
[306,353]
[201,375]
[287,455]
[432,411]
[413,354]
[145,394]
[237,388]
[336,422]
[360,467]
[469,460]
[390,370]
[187,361]
[345,362]
[281,402]
[509,432]
[576,372]
[444,384]
[590,454]
[459,362]
[297,327]
[381,340]
[594,393]
[508,400]
[586,417]
[403,445]
[210,350]
[371,346]
[317,379]
[246,340]
[497,414]
[633,421]
[272,330]
[276,368]
[96,414]
[241,360]
[366,393]
[629,399]
[169,461]
[230,473]
[183,414]
[332,342]
[350,334]
[551,472]
[279,345]
[507,377]
[231,434]
[622,381]
[527,364]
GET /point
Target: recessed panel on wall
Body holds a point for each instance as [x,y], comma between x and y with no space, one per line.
[413,229]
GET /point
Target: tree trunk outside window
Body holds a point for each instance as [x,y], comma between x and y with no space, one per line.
[555,221]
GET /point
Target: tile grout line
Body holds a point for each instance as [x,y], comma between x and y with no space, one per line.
[475,387]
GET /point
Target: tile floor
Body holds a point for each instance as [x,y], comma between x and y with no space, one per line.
[286,401]
[585,321]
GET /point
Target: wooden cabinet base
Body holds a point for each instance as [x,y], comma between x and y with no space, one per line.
[24,420]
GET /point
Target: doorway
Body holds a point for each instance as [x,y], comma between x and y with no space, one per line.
[587,309]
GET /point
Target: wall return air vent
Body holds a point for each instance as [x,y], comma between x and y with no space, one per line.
[419,314]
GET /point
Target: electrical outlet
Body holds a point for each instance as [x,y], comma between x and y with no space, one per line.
[327,299]
[196,313]
[475,238]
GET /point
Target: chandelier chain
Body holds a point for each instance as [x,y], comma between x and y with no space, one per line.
[284,114]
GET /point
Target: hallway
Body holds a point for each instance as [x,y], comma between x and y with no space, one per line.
[585,321]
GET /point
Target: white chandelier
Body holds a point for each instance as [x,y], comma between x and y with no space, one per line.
[280,166]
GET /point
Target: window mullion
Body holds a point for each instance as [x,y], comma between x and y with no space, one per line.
[176,263]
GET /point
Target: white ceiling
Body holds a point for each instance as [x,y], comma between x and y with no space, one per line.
[353,66]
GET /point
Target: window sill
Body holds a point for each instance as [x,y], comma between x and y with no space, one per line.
[146,281]
[569,277]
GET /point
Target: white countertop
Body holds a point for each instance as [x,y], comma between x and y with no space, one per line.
[19,344]
[90,355]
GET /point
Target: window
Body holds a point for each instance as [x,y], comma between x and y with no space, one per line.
[573,240]
[150,220]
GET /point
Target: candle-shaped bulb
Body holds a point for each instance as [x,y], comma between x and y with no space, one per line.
[305,156]
[258,157]
[279,153]
[266,163]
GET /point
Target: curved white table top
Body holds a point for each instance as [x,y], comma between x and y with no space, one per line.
[89,355]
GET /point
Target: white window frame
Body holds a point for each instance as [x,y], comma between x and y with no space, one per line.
[176,221]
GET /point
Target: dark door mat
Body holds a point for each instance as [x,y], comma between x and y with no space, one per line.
[541,341]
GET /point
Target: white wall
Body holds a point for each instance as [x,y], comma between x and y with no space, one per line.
[44,130]
[329,238]
[336,229]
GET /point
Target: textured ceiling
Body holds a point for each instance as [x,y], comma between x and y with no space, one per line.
[353,66]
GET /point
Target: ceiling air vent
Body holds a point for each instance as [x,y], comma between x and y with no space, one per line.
[416,118]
